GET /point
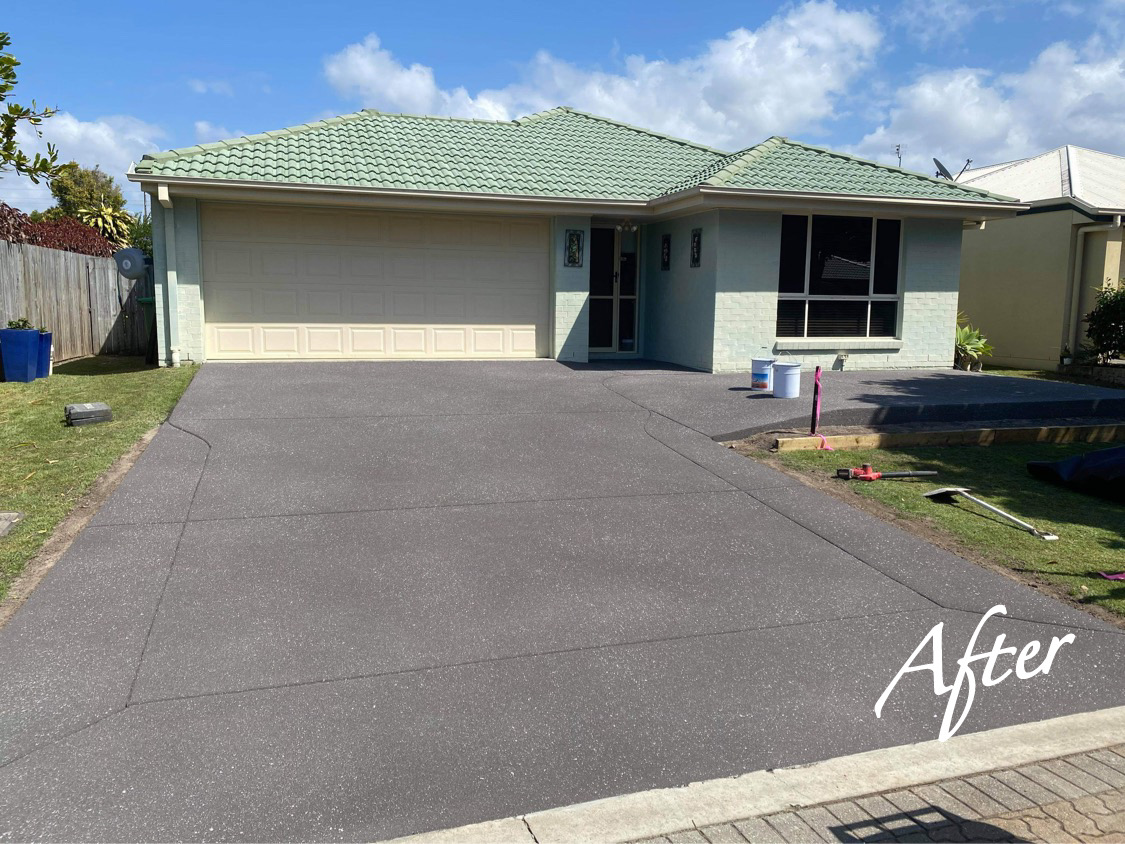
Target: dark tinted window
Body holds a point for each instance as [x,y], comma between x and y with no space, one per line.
[886,257]
[794,231]
[837,319]
[791,318]
[601,262]
[884,319]
[840,259]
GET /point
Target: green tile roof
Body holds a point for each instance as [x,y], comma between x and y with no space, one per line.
[559,153]
[556,153]
[779,164]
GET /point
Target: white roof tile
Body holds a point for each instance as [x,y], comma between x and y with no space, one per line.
[1094,178]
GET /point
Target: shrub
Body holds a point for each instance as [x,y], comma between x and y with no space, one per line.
[69,234]
[12,223]
[1105,325]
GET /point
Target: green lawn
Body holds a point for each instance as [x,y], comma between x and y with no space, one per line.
[1091,530]
[45,466]
[1043,375]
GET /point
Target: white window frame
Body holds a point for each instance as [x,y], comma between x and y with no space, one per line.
[871,296]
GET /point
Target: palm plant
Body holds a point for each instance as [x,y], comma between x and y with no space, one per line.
[969,346]
[114,224]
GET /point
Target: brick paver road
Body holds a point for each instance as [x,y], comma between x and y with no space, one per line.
[1073,798]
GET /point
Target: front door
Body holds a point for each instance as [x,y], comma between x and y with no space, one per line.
[613,291]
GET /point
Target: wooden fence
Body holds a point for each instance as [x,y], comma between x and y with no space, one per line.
[81,299]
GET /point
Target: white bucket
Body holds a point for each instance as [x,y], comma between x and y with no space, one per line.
[761,374]
[786,379]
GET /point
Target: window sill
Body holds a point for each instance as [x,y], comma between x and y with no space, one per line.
[837,344]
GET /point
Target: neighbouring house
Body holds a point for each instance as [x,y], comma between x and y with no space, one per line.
[1028,281]
[560,235]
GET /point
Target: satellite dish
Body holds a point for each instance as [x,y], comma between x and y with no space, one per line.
[130,262]
[941,171]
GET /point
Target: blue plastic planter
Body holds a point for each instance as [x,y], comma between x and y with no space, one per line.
[19,351]
[43,369]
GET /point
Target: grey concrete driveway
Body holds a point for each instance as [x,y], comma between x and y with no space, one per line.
[353,601]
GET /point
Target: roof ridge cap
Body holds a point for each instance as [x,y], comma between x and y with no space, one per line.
[892,168]
[742,160]
[242,140]
[1096,151]
[451,118]
[546,114]
[1007,165]
[644,131]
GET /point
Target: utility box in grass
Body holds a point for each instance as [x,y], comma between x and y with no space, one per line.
[89,413]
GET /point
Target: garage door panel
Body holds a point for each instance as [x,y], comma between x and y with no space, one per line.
[276,303]
[329,340]
[280,340]
[288,283]
[274,262]
[408,307]
[403,229]
[367,303]
[322,265]
[329,303]
[368,341]
[229,263]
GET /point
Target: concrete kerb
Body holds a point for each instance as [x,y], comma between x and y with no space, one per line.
[906,413]
[661,811]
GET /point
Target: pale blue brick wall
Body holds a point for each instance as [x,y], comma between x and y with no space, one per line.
[746,288]
[679,303]
[746,299]
[189,274]
[570,293]
[188,340]
[160,277]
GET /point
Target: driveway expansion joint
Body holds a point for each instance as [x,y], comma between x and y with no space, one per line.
[171,561]
[606,646]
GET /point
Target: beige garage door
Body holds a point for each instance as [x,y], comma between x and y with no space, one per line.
[305,283]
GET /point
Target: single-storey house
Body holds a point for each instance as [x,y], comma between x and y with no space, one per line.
[1028,281]
[560,235]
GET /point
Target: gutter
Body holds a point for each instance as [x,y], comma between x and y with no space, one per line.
[1075,285]
[594,205]
[851,197]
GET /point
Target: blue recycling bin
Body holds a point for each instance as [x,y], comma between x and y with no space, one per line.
[43,366]
[19,353]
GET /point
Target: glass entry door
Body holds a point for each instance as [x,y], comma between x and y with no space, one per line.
[613,291]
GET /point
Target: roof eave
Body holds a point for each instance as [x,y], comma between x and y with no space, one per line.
[699,196]
[296,192]
[967,208]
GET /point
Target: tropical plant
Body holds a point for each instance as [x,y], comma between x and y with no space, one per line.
[140,233]
[969,346]
[113,224]
[11,116]
[1105,325]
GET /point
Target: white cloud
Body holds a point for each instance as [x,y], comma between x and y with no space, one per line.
[931,24]
[211,86]
[786,76]
[1065,95]
[111,143]
[206,132]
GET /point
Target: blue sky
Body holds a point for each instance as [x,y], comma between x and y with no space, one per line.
[987,79]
